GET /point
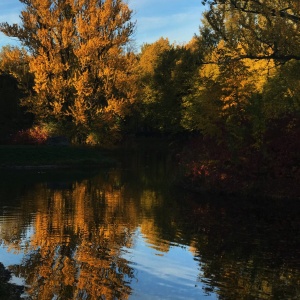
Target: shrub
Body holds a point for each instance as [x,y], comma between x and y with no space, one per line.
[36,135]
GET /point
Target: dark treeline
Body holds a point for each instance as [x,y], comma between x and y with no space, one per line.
[232,91]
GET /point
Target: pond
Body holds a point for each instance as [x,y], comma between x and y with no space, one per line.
[127,233]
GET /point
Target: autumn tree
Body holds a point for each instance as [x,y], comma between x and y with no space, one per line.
[216,107]
[244,104]
[265,29]
[80,63]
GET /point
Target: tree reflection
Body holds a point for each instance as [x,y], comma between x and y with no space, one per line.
[79,230]
[75,251]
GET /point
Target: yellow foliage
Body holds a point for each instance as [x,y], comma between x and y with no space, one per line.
[78,60]
[15,61]
[150,53]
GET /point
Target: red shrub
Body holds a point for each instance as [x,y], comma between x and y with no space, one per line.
[32,136]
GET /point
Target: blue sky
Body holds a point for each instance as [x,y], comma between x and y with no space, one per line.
[177,20]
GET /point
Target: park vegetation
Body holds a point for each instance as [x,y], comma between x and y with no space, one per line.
[232,93]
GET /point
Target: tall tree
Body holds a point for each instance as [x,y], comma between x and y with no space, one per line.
[78,60]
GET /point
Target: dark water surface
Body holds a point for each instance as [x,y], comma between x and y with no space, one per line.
[125,233]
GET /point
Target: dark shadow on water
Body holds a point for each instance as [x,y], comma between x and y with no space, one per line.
[247,248]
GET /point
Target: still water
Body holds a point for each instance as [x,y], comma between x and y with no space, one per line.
[127,233]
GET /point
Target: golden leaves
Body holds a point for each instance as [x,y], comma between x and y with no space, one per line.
[79,63]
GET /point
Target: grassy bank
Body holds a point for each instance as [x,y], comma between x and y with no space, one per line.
[52,156]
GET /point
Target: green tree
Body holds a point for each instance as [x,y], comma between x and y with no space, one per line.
[165,77]
[281,94]
[79,62]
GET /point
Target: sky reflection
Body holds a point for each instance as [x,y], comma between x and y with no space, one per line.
[164,275]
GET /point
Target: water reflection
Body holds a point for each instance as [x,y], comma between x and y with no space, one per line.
[73,251]
[124,234]
[249,249]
